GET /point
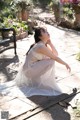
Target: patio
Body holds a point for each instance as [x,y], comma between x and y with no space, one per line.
[33,108]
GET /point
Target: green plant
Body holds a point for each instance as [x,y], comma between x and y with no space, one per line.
[19,5]
[24,25]
[20,26]
[76,112]
[54,2]
[5,9]
[67,11]
[78,54]
[76,8]
[14,23]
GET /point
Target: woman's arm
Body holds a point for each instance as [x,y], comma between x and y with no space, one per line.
[44,50]
[51,46]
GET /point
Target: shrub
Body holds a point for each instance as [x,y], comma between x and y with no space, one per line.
[19,26]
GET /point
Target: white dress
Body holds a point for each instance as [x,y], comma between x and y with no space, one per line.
[37,74]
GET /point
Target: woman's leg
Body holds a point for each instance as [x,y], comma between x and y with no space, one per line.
[39,68]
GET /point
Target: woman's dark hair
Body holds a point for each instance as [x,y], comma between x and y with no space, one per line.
[36,36]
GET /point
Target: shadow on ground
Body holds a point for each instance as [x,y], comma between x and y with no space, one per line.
[9,73]
[51,106]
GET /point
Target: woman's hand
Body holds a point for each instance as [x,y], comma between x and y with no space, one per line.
[68,67]
[48,42]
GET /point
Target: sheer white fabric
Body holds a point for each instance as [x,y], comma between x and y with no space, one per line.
[37,75]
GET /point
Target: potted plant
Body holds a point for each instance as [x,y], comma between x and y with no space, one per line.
[22,7]
[55,7]
[20,27]
[76,8]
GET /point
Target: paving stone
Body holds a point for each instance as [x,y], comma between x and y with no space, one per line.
[67,44]
[15,107]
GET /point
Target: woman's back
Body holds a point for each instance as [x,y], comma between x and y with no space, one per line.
[33,56]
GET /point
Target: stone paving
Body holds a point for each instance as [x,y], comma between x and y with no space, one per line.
[36,107]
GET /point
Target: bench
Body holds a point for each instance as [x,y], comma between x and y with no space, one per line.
[6,40]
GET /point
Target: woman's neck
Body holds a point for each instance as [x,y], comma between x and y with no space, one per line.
[44,41]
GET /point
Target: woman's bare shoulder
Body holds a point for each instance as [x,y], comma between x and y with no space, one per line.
[39,46]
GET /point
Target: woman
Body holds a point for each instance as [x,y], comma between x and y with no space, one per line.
[37,74]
